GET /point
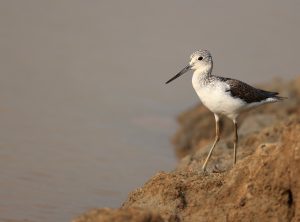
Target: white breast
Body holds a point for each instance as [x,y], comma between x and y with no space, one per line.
[215,97]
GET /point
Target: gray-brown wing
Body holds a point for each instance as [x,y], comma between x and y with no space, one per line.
[248,93]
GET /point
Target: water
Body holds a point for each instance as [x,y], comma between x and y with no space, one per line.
[85,115]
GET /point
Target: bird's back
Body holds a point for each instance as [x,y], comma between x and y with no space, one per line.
[226,96]
[247,93]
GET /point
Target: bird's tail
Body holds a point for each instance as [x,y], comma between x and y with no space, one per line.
[274,95]
[280,97]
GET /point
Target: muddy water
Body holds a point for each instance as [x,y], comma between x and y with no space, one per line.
[85,116]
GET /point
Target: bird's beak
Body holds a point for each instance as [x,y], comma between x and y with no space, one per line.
[184,70]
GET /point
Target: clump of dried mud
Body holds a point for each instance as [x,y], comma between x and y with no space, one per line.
[264,185]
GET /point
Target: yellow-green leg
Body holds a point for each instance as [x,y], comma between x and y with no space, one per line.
[235,140]
[217,138]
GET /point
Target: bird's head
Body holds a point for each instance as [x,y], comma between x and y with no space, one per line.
[200,61]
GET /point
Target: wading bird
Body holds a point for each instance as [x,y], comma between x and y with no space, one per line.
[223,96]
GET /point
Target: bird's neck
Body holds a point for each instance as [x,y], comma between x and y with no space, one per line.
[201,77]
[203,71]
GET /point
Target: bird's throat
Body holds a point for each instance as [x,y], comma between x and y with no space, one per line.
[204,70]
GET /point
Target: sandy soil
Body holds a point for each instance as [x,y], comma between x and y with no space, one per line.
[264,185]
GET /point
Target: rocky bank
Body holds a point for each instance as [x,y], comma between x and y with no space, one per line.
[264,185]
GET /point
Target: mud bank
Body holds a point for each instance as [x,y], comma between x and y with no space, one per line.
[264,185]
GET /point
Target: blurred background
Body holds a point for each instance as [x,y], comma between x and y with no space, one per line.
[85,114]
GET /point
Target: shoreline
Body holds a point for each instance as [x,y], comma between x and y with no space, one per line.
[264,185]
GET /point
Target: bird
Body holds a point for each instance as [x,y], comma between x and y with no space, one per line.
[223,96]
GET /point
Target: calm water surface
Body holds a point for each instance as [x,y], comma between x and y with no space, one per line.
[85,115]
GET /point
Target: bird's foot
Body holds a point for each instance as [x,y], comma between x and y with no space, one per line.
[216,169]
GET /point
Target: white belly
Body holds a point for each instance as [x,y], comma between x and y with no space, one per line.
[217,100]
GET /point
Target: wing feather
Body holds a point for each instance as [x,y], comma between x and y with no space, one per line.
[247,93]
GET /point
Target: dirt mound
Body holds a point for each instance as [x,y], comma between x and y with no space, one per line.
[264,185]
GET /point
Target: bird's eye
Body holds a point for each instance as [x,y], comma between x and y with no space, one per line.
[200,58]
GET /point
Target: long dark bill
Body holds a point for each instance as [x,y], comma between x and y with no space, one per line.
[184,70]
